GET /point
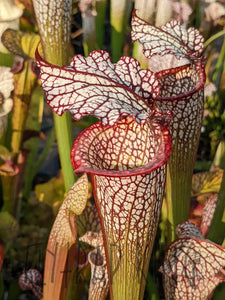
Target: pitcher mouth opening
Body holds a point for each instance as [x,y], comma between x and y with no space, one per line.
[181,81]
[124,149]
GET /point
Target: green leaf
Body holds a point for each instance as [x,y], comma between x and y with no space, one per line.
[6,59]
[5,154]
[51,192]
[20,43]
[8,227]
[14,291]
[206,182]
[24,82]
[34,118]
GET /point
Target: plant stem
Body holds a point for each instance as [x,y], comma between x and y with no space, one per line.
[152,290]
[54,22]
[219,158]
[119,14]
[178,189]
[145,10]
[64,138]
[220,66]
[214,37]
[100,19]
[8,193]
[24,83]
[21,163]
[63,126]
[163,15]
[89,32]
[31,168]
[217,229]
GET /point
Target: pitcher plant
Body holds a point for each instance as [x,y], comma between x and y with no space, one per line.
[125,153]
[174,55]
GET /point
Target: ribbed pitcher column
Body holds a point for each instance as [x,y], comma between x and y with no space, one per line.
[174,54]
[127,167]
[130,208]
[183,95]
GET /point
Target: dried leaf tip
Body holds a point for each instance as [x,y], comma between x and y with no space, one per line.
[63,230]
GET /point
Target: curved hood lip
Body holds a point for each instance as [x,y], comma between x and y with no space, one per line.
[198,87]
[159,159]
